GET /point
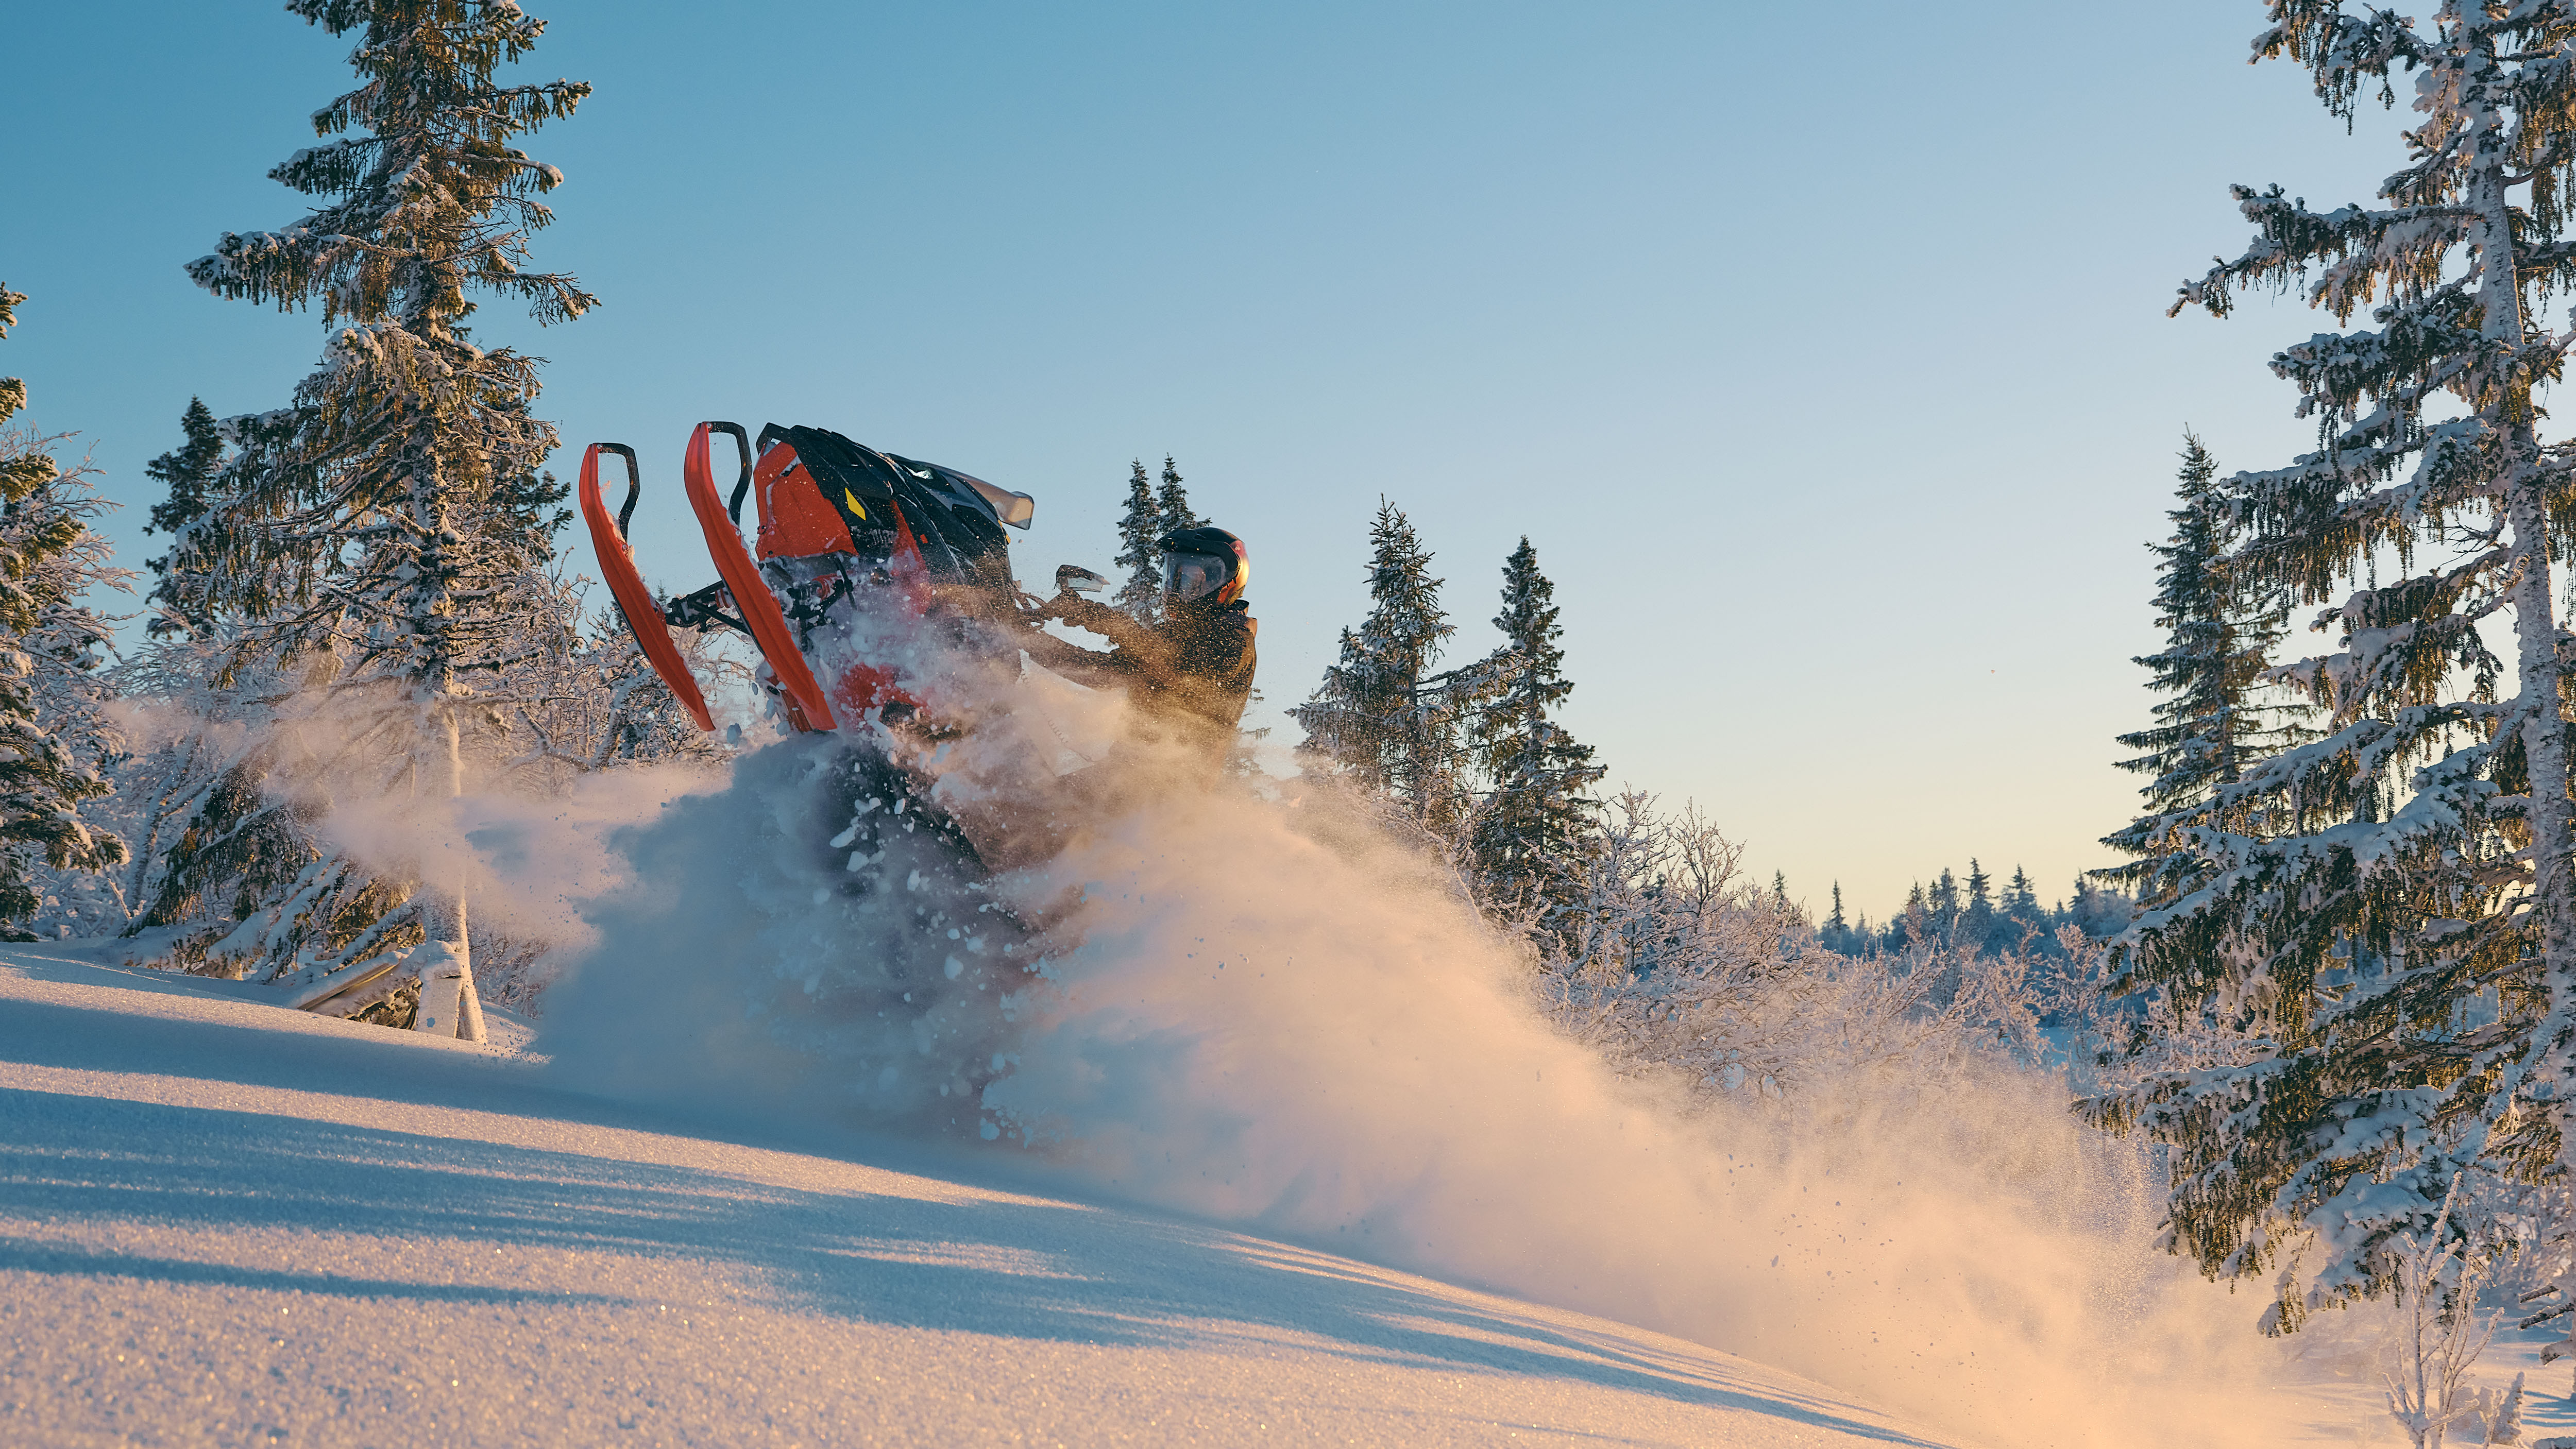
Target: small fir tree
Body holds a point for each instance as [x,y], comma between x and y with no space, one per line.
[188,473]
[1172,503]
[1978,924]
[1537,823]
[1913,926]
[1140,550]
[1381,718]
[2021,898]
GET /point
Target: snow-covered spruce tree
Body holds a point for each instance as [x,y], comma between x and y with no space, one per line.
[1944,905]
[54,732]
[1977,917]
[1537,824]
[389,537]
[230,794]
[187,471]
[2214,672]
[2021,898]
[1140,553]
[233,796]
[226,791]
[1838,933]
[229,797]
[2386,912]
[77,891]
[1381,719]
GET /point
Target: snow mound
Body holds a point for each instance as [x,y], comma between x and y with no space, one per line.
[224,1223]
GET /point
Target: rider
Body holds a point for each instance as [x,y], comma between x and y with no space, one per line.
[1195,666]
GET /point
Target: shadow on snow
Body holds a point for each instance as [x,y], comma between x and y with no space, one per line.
[1013,1269]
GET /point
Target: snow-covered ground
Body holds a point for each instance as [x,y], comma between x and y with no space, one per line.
[225,1223]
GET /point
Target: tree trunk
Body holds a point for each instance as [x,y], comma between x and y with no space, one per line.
[2537,712]
[449,1005]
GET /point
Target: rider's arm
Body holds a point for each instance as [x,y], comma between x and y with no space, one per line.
[1140,648]
[1062,655]
[1111,624]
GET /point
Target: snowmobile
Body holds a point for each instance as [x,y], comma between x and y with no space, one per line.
[895,641]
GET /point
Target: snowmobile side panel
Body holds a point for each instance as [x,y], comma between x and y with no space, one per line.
[625,585]
[796,521]
[807,707]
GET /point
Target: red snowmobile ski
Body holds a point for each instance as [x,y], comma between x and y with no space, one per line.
[634,602]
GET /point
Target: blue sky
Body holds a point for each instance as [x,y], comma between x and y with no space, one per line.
[1820,351]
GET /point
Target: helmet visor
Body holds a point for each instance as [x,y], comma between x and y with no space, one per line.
[1191,576]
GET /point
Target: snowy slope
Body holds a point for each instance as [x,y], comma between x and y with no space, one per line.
[223,1223]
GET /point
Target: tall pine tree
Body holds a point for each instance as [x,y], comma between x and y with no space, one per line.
[386,525]
[1536,826]
[1381,718]
[2388,913]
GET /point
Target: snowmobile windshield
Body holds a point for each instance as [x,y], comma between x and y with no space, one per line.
[1192,576]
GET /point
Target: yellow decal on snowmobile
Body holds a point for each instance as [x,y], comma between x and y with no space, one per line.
[855,506]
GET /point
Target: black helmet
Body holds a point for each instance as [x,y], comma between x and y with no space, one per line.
[1205,566]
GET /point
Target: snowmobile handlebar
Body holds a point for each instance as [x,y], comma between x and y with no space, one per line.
[634,483]
[742,445]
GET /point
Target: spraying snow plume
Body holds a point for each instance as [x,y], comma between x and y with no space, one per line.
[1294,1025]
[1271,1013]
